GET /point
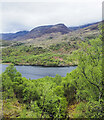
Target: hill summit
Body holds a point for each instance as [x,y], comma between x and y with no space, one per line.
[36,32]
[41,30]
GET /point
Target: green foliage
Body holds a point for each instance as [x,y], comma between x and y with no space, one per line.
[49,97]
[44,98]
[29,55]
[88,80]
[81,110]
[65,45]
[7,89]
[94,110]
[29,92]
[91,109]
[89,72]
[11,72]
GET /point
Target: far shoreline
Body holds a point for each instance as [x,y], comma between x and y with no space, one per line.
[39,65]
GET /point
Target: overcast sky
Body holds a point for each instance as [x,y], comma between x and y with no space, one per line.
[16,16]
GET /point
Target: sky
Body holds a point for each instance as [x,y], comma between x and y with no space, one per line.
[28,14]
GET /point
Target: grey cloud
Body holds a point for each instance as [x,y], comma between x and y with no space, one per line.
[19,16]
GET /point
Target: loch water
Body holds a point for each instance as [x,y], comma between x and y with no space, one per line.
[35,72]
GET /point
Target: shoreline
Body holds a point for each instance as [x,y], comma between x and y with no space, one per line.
[39,65]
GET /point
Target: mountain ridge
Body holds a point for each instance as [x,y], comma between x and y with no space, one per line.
[10,36]
[42,30]
[82,26]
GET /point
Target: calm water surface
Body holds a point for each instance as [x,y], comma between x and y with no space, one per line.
[35,72]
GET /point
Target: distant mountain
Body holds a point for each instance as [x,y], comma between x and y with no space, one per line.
[50,29]
[36,32]
[11,36]
[43,30]
[82,26]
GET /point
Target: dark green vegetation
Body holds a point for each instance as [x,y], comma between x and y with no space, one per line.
[78,95]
